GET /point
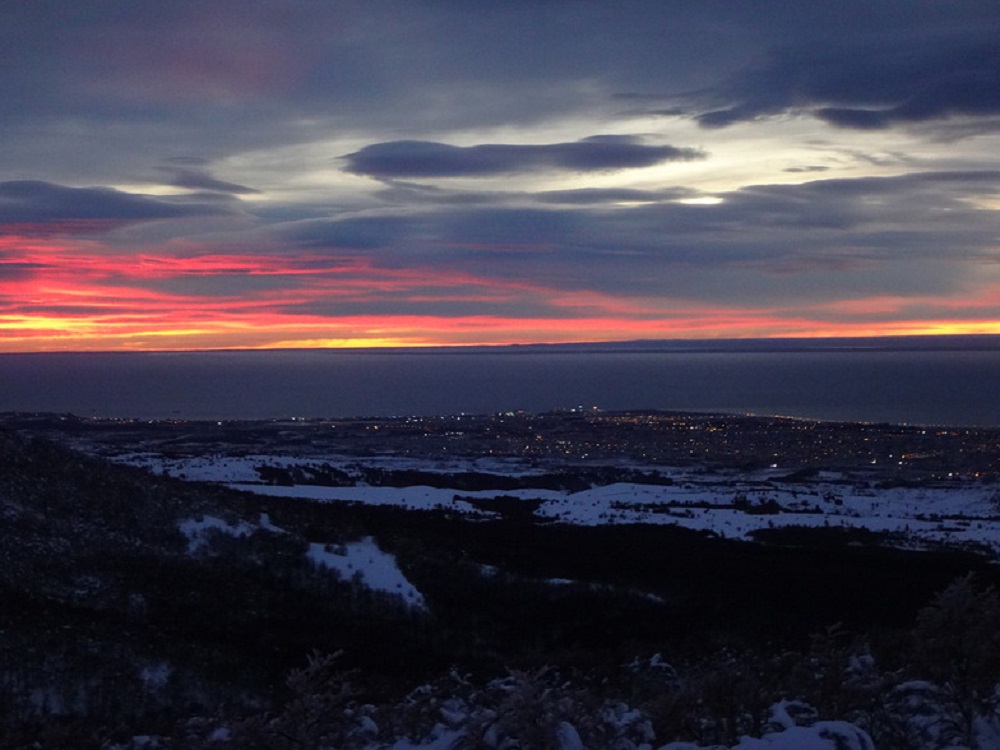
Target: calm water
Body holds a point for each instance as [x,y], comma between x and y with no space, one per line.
[917,387]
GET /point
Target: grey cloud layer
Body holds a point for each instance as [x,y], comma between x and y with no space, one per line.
[830,239]
[836,238]
[94,88]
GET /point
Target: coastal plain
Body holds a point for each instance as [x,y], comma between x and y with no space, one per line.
[745,477]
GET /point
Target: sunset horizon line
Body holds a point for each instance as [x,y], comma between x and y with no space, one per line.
[698,343]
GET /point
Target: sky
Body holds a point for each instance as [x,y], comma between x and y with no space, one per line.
[264,174]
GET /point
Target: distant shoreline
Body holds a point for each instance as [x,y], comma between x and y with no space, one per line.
[914,343]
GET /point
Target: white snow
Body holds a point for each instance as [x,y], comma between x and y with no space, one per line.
[956,514]
[365,560]
[823,735]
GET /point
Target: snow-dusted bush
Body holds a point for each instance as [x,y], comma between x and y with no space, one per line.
[957,638]
[322,714]
[524,710]
[957,650]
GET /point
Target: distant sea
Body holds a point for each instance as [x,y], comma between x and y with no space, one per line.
[946,381]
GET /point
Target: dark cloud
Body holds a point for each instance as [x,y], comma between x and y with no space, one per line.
[13,270]
[871,82]
[429,159]
[216,284]
[31,201]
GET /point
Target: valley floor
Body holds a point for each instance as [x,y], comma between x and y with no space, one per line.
[935,511]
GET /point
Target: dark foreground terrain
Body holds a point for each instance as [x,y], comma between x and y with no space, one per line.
[113,625]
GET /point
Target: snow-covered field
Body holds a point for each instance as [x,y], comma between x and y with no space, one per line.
[960,513]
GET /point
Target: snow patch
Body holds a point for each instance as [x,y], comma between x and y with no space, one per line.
[196,530]
[265,523]
[365,560]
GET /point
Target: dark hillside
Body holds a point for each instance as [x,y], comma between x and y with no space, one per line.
[110,618]
[672,588]
[97,588]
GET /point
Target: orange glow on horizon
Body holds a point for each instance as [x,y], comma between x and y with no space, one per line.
[53,334]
